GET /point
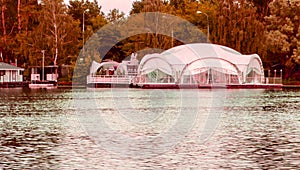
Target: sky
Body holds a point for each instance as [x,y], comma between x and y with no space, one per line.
[122,5]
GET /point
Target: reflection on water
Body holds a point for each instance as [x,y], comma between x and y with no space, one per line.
[255,129]
[30,128]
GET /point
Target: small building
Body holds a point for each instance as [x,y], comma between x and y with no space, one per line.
[48,73]
[10,73]
[44,77]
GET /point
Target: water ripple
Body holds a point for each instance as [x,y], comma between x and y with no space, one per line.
[258,129]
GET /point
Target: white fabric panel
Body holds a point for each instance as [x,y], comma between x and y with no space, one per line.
[94,67]
[196,71]
[255,65]
[178,57]
[123,68]
[253,69]
[220,65]
[156,64]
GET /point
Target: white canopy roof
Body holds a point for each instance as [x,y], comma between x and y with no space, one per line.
[201,55]
[95,65]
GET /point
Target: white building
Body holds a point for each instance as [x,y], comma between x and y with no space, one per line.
[48,73]
[201,63]
[10,73]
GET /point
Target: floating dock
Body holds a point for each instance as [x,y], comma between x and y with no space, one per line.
[211,86]
[13,84]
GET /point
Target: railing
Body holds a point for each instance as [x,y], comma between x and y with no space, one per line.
[115,79]
[266,80]
[51,77]
[273,80]
[110,79]
[255,80]
[35,77]
[276,79]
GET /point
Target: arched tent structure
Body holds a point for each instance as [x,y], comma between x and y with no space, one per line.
[126,68]
[201,63]
[106,66]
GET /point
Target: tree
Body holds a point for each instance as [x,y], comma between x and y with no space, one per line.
[56,33]
[19,17]
[283,34]
[28,16]
[93,17]
[115,15]
[3,9]
[262,7]
[236,25]
[153,24]
[8,28]
[149,6]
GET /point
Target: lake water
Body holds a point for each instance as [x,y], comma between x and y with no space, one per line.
[149,129]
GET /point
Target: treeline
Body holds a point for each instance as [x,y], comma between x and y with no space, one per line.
[270,28]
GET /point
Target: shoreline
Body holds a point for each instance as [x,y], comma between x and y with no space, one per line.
[68,85]
[290,86]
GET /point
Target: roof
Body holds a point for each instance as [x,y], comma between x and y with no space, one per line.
[5,66]
[95,65]
[185,54]
[211,55]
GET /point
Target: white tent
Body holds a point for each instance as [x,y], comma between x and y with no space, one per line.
[95,66]
[202,58]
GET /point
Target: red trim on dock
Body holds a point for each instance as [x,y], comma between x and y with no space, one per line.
[212,86]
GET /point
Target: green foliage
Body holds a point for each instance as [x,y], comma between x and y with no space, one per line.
[115,15]
[150,6]
[93,17]
[236,25]
[283,34]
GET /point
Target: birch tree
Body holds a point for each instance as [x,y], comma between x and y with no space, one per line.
[3,20]
[19,17]
[58,28]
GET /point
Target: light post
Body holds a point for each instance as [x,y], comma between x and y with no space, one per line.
[43,66]
[269,77]
[281,76]
[275,76]
[172,31]
[87,10]
[200,12]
